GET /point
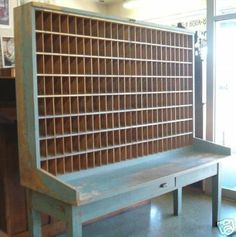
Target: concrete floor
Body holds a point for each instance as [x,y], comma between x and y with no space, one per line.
[156,220]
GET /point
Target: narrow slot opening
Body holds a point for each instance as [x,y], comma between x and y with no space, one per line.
[108,48]
[52,167]
[59,126]
[94,28]
[67,125]
[90,142]
[80,26]
[58,106]
[40,64]
[101,48]
[80,66]
[87,46]
[83,161]
[73,65]
[72,45]
[50,127]
[64,44]
[88,66]
[101,25]
[47,43]
[89,104]
[68,145]
[91,160]
[51,147]
[76,163]
[39,20]
[41,107]
[80,46]
[56,43]
[64,24]
[44,165]
[39,42]
[72,24]
[75,124]
[56,64]
[66,105]
[47,21]
[55,22]
[60,146]
[108,32]
[65,65]
[82,123]
[87,26]
[94,47]
[60,163]
[42,127]
[96,105]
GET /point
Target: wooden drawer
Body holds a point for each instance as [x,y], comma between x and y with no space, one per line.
[195,176]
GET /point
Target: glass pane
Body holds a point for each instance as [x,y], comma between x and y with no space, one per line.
[225,83]
[225,126]
[225,7]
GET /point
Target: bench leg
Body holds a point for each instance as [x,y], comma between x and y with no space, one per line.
[216,197]
[177,201]
[73,224]
[34,218]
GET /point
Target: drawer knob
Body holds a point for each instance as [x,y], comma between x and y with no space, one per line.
[164,185]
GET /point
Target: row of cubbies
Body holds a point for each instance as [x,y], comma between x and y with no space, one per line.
[109,91]
[57,44]
[54,85]
[52,147]
[100,28]
[63,65]
[99,104]
[91,159]
[68,125]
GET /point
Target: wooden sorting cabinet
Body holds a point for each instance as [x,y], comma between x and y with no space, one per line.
[109,91]
[103,105]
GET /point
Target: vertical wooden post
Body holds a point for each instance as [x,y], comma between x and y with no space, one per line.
[216,196]
[177,201]
[34,218]
[73,224]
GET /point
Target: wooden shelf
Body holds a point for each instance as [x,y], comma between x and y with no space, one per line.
[7,73]
[109,91]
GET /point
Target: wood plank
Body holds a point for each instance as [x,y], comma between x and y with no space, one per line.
[7,73]
[121,179]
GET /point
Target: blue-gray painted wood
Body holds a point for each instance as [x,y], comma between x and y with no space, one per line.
[34,217]
[216,196]
[73,222]
[203,145]
[196,175]
[85,195]
[51,206]
[177,201]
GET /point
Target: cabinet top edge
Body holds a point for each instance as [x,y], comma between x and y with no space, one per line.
[99,16]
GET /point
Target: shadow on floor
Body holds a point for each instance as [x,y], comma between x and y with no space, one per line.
[156,220]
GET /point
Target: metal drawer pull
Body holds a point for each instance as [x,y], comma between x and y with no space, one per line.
[164,185]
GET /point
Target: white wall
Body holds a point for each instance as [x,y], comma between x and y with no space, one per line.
[163,12]
[81,4]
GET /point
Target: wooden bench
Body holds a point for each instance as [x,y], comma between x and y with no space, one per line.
[105,114]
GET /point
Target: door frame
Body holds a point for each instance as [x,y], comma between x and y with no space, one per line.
[212,19]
